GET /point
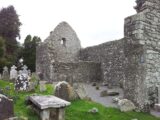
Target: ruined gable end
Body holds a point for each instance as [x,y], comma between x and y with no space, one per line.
[65,43]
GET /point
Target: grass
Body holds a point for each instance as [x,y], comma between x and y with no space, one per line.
[20,108]
[78,110]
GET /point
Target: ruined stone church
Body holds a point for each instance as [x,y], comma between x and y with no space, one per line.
[132,62]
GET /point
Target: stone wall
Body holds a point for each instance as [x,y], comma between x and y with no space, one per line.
[62,45]
[111,57]
[76,72]
[142,51]
[43,61]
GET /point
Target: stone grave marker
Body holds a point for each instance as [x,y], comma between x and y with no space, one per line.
[29,73]
[49,107]
[65,91]
[31,86]
[22,83]
[6,107]
[42,86]
[13,72]
[25,71]
[19,72]
[5,74]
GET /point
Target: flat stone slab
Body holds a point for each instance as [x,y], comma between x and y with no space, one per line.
[50,101]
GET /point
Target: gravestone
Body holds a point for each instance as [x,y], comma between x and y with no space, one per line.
[5,74]
[42,86]
[29,73]
[13,72]
[6,107]
[25,71]
[22,83]
[0,76]
[32,86]
[19,72]
[65,91]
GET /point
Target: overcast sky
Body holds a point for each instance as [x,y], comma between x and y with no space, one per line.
[95,21]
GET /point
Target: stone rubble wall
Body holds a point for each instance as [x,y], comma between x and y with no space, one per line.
[63,51]
[76,72]
[43,61]
[54,49]
[142,52]
[111,57]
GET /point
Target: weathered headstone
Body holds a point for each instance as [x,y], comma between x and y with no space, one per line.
[6,107]
[29,73]
[31,86]
[19,72]
[25,71]
[65,91]
[22,82]
[13,72]
[5,74]
[42,86]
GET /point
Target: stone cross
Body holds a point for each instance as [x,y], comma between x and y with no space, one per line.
[13,72]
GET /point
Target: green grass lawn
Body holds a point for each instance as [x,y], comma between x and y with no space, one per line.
[78,110]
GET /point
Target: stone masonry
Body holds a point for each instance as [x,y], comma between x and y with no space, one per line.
[62,45]
[133,61]
[67,60]
[142,52]
[111,57]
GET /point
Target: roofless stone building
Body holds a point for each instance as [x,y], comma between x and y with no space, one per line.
[133,61]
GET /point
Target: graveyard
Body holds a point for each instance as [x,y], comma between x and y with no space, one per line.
[77,111]
[58,79]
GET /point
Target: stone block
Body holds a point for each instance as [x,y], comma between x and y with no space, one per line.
[157,107]
[50,107]
[6,107]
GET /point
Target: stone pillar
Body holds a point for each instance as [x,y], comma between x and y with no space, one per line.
[45,115]
[61,114]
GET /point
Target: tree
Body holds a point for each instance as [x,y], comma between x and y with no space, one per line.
[9,30]
[3,61]
[2,47]
[29,51]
